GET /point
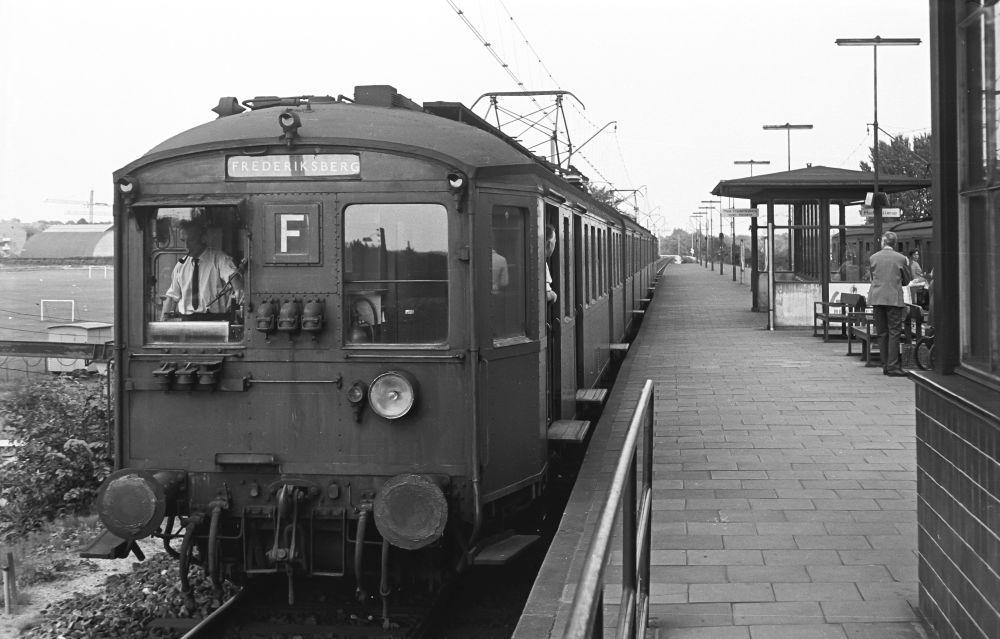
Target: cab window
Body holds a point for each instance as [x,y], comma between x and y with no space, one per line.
[195,288]
[395,274]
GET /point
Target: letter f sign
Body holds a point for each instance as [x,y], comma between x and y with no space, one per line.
[286,232]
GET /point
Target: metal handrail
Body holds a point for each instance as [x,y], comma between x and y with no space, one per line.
[586,618]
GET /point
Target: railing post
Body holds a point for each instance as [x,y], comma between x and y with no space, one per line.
[587,611]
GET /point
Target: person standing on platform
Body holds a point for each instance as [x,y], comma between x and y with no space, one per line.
[890,272]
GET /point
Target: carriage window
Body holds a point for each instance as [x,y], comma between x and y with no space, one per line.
[195,288]
[507,296]
[395,274]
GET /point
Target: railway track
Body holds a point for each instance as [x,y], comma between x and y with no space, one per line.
[261,611]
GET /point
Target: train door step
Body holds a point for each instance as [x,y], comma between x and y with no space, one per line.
[568,430]
[621,348]
[504,550]
[108,545]
[591,395]
[638,312]
[645,300]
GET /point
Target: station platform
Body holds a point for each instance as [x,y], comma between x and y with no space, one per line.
[784,481]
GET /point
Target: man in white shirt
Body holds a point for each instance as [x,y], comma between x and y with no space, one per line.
[198,282]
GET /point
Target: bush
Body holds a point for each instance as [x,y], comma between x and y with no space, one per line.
[61,427]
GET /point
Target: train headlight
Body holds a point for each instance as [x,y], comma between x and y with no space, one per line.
[127,186]
[456,181]
[132,503]
[392,395]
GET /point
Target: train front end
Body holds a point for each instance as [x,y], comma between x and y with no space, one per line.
[319,410]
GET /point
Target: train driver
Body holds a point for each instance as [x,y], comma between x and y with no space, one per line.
[201,280]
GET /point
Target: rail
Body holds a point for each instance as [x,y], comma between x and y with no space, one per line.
[586,618]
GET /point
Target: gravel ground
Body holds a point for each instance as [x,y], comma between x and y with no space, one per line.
[112,599]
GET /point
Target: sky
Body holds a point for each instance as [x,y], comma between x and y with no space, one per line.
[87,87]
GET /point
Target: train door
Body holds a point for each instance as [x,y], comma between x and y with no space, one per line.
[553,315]
[510,270]
[579,284]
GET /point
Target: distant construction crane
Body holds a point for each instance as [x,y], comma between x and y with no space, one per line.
[89,204]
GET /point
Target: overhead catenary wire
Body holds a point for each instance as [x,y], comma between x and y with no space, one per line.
[546,115]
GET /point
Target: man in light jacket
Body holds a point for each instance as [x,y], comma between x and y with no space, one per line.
[890,272]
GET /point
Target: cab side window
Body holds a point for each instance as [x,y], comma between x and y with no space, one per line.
[508,272]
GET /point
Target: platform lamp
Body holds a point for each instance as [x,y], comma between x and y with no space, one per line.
[699,215]
[874,43]
[788,128]
[719,203]
[751,163]
[710,256]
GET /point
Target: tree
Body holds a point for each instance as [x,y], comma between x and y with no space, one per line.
[899,157]
[602,195]
[61,426]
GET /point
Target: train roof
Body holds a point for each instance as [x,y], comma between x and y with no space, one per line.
[377,118]
[447,130]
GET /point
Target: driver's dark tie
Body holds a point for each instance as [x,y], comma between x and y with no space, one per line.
[195,293]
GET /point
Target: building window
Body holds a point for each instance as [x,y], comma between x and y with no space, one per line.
[980,197]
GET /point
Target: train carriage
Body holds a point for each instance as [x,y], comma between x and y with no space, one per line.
[380,365]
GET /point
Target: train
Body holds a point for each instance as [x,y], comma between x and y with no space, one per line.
[851,247]
[382,385]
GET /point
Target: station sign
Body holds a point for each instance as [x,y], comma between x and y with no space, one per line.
[739,212]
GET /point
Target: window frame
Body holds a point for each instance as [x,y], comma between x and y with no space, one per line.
[345,284]
[979,196]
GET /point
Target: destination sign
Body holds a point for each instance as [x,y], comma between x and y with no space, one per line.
[739,212]
[293,166]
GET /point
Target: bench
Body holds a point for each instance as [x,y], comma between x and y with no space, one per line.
[838,312]
[862,329]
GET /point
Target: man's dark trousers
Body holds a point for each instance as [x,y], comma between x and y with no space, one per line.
[889,327]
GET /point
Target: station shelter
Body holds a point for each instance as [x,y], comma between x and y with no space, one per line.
[811,252]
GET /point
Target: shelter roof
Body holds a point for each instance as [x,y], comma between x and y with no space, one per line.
[815,182]
[71,240]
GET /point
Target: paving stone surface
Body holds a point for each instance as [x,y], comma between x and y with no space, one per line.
[784,476]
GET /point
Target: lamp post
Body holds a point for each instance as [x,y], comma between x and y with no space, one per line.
[874,43]
[699,215]
[753,221]
[788,128]
[721,243]
[752,162]
[710,261]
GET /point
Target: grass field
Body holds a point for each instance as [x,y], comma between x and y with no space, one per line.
[21,292]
